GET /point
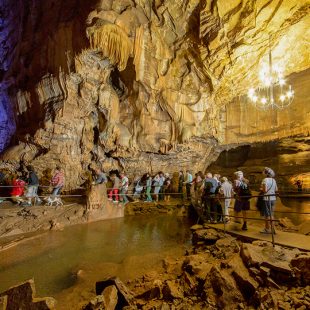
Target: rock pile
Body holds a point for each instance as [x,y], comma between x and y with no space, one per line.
[222,273]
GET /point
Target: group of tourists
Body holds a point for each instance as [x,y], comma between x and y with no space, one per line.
[212,192]
[22,186]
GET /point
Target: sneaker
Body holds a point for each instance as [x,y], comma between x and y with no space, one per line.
[115,201]
[110,199]
[265,231]
[244,227]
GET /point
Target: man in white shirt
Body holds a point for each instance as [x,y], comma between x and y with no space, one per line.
[188,184]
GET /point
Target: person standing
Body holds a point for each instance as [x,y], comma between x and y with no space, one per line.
[18,187]
[156,185]
[124,187]
[269,188]
[226,190]
[58,181]
[209,187]
[299,183]
[113,193]
[181,181]
[161,184]
[101,177]
[148,189]
[188,184]
[32,186]
[242,203]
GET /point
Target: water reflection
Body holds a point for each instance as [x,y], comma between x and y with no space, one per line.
[52,258]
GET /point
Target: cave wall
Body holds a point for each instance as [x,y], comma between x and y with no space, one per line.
[243,123]
[141,85]
[288,157]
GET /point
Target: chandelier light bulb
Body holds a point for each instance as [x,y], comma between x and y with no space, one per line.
[251,92]
[282,98]
[281,82]
[264,100]
[289,94]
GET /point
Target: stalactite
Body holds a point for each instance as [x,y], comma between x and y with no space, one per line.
[114,43]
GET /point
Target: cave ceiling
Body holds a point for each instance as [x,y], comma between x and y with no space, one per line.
[126,83]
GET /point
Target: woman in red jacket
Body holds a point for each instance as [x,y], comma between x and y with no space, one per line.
[18,189]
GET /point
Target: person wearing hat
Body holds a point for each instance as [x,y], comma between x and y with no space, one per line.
[269,188]
[242,203]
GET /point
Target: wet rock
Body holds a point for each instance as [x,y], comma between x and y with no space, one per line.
[304,228]
[189,284]
[172,266]
[224,288]
[300,266]
[110,297]
[208,236]
[287,225]
[197,265]
[246,284]
[125,297]
[197,226]
[228,246]
[172,290]
[153,292]
[96,303]
[22,296]
[263,253]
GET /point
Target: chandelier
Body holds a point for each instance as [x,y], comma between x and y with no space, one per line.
[274,92]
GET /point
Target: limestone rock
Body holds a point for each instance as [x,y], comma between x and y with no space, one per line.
[172,290]
[125,297]
[23,297]
[110,297]
[300,265]
[224,287]
[208,236]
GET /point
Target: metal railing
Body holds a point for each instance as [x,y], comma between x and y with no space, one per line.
[197,204]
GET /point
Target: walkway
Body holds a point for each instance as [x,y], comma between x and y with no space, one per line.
[283,238]
[288,239]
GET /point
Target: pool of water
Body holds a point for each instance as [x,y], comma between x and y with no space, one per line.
[125,247]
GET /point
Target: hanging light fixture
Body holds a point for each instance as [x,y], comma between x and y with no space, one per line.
[274,92]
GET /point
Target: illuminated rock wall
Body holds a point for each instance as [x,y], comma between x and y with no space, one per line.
[145,85]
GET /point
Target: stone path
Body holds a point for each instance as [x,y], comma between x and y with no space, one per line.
[289,239]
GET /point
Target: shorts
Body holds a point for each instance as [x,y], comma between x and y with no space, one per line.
[268,208]
[241,205]
[156,190]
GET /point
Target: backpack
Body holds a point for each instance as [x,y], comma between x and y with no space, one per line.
[244,190]
[207,188]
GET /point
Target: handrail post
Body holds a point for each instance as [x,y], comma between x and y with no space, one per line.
[271,224]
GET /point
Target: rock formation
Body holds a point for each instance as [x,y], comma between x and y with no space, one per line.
[143,84]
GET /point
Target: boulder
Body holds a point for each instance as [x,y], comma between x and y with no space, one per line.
[301,268]
[22,296]
[246,284]
[110,297]
[208,236]
[125,297]
[224,287]
[172,290]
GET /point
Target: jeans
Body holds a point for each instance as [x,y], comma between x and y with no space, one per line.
[123,196]
[226,207]
[56,191]
[148,193]
[188,190]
